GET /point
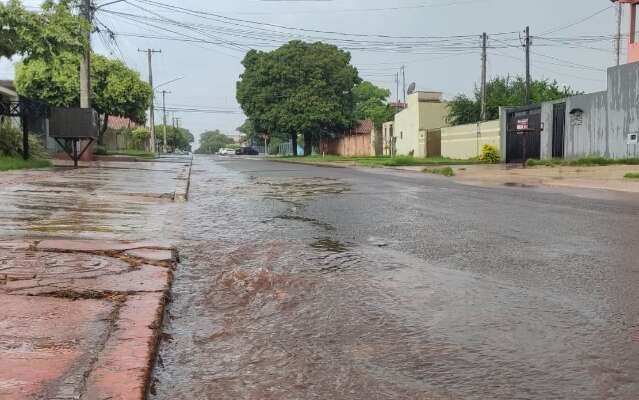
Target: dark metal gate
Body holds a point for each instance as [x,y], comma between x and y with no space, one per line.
[558,130]
[523,140]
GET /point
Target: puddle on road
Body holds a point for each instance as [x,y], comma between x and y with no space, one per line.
[328,244]
[295,190]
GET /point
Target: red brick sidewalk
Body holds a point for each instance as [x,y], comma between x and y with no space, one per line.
[80,319]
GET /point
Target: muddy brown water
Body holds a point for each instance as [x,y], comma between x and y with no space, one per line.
[269,303]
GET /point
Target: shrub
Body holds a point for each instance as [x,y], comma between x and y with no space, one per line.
[489,153]
[100,151]
[11,142]
[632,175]
[10,139]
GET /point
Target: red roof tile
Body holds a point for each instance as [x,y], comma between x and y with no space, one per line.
[120,122]
[365,126]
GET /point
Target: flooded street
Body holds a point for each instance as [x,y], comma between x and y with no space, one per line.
[300,282]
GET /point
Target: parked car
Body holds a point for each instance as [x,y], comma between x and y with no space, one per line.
[226,152]
[248,151]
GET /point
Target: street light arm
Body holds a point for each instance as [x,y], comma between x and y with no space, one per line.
[108,4]
[166,83]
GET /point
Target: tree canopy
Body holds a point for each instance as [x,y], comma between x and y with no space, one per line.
[41,34]
[371,103]
[176,138]
[115,89]
[299,88]
[212,141]
[503,91]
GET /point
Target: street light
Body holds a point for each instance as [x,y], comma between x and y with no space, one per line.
[167,82]
[164,92]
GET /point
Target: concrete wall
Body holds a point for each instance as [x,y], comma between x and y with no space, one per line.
[623,109]
[466,141]
[425,111]
[586,126]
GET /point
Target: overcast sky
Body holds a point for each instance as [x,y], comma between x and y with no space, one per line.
[210,70]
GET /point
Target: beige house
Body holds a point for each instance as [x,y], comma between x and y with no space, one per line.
[416,129]
[466,141]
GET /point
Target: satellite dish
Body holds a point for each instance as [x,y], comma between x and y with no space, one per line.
[411,88]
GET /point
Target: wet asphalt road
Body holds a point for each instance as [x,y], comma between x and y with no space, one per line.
[302,282]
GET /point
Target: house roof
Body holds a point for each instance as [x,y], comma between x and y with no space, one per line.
[8,88]
[120,122]
[365,126]
[398,104]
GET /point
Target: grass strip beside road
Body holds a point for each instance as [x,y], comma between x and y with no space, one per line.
[399,161]
[11,163]
[584,162]
[632,175]
[131,153]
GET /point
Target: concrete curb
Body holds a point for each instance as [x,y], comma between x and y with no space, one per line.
[183,183]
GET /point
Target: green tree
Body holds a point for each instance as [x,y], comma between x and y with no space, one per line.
[500,92]
[212,141]
[176,138]
[47,33]
[371,103]
[299,88]
[115,89]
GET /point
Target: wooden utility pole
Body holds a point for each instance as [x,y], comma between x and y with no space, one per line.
[164,92]
[618,35]
[527,46]
[404,82]
[149,53]
[397,88]
[484,41]
[85,61]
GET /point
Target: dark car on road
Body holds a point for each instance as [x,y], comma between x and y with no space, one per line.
[248,151]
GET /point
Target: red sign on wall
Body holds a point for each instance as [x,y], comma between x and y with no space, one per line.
[522,124]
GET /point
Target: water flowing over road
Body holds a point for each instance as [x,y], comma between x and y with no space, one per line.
[300,282]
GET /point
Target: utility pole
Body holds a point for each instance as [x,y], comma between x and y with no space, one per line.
[618,36]
[85,61]
[527,46]
[484,57]
[164,92]
[397,91]
[149,53]
[404,82]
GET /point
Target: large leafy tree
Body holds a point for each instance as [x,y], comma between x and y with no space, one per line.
[371,103]
[115,89]
[176,138]
[44,34]
[299,88]
[212,141]
[503,91]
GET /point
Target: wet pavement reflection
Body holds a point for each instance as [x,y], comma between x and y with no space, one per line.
[272,301]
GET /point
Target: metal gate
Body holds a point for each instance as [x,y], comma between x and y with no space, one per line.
[523,140]
[558,130]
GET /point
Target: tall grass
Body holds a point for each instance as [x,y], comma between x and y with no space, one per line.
[8,163]
[585,162]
